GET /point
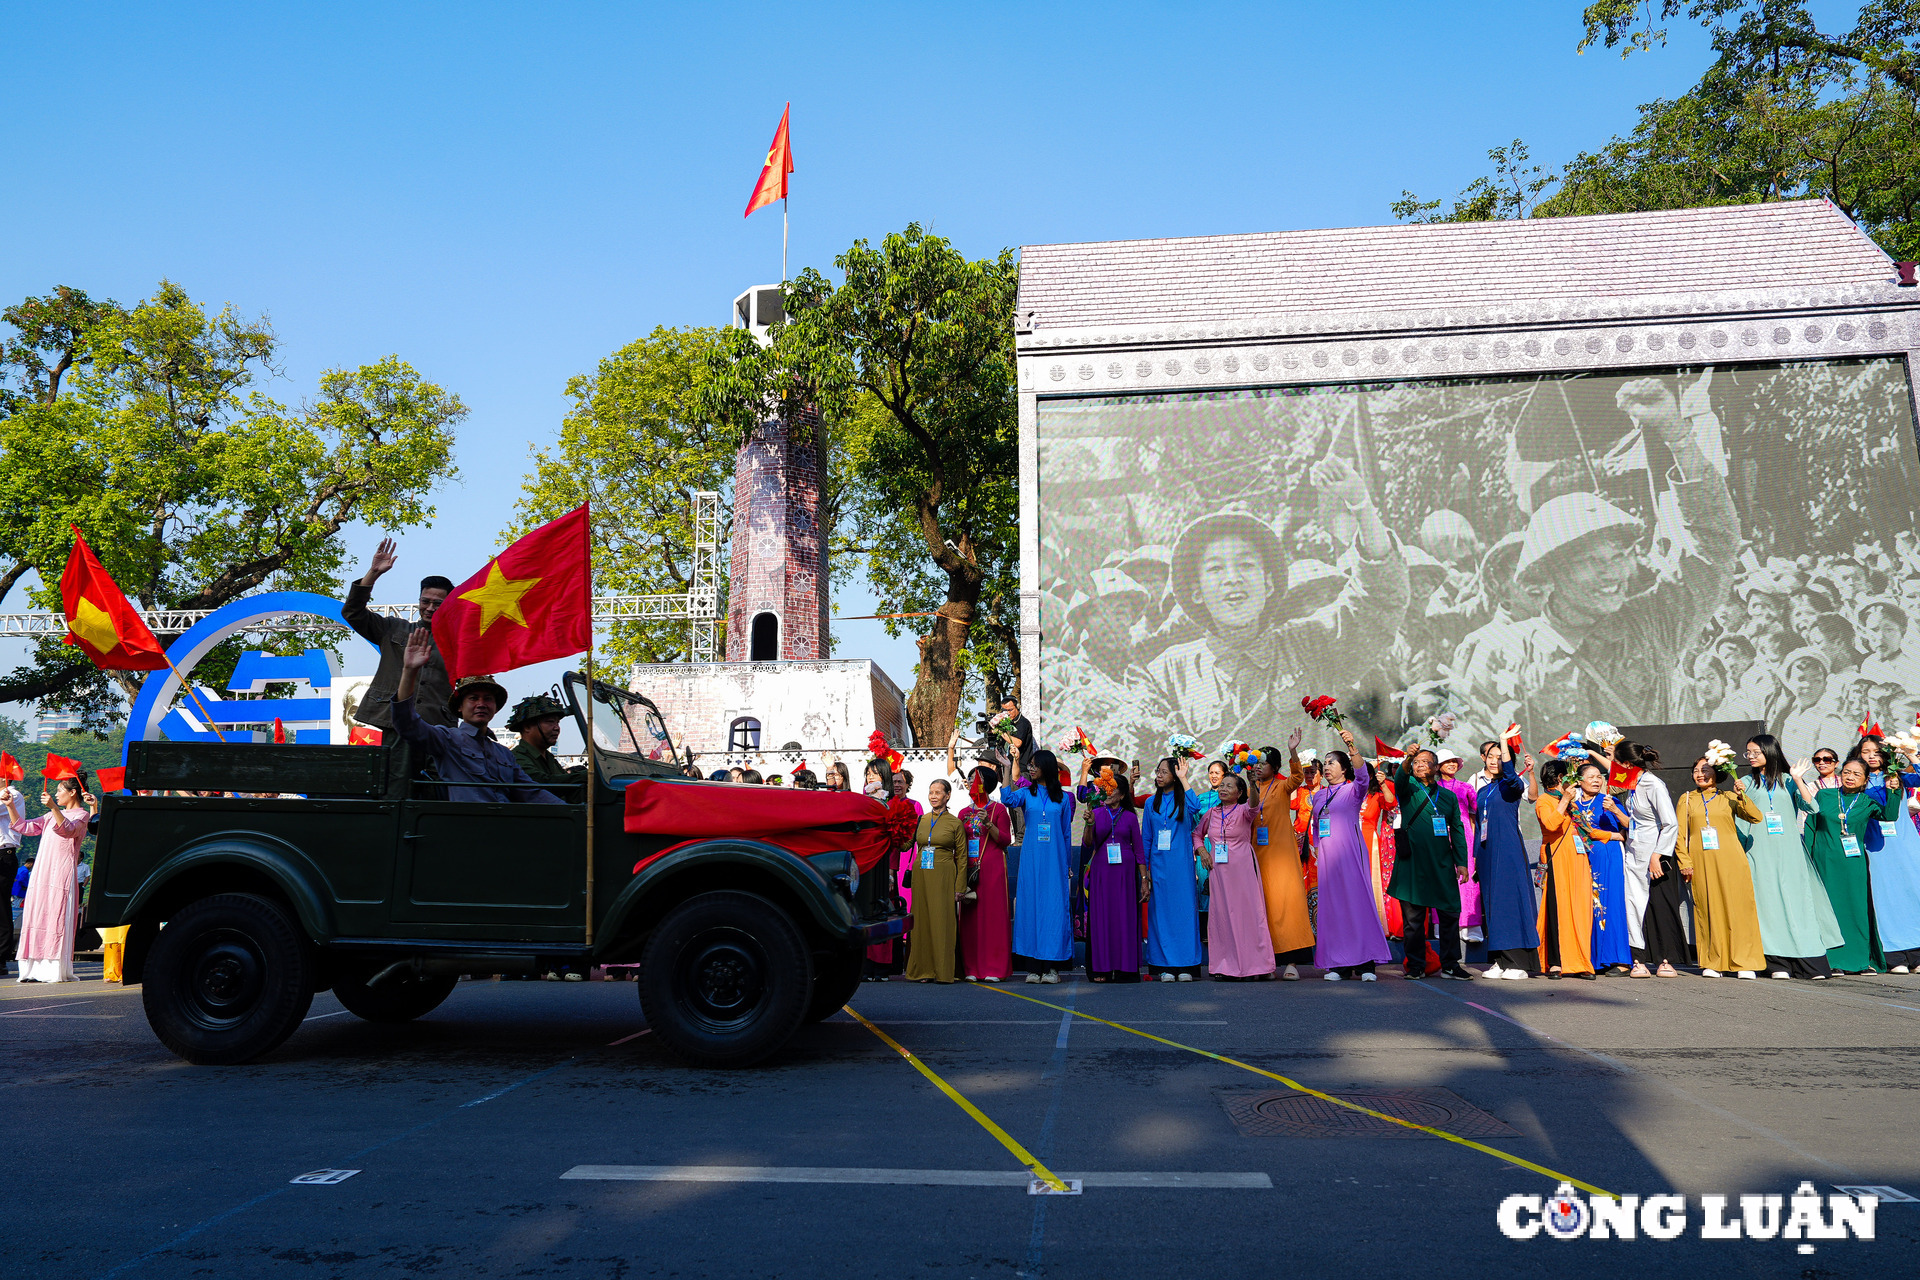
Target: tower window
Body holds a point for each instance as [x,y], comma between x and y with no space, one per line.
[764,643]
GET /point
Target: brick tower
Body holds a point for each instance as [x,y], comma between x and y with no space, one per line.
[777,594]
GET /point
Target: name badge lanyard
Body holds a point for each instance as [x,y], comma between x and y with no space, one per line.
[1849,843]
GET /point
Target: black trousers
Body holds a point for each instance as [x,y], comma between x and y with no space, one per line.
[1413,937]
[9,868]
[1803,966]
[1666,936]
[1526,959]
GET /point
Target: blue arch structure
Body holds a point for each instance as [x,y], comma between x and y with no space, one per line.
[157,694]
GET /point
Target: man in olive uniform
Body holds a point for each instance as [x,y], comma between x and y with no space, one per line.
[537,721]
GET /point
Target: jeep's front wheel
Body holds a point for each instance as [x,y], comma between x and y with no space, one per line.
[398,999]
[228,979]
[835,980]
[726,979]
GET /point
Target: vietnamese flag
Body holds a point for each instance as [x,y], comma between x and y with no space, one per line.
[362,736]
[532,602]
[10,770]
[112,779]
[279,730]
[773,174]
[59,767]
[1386,752]
[100,620]
[1513,738]
[1623,777]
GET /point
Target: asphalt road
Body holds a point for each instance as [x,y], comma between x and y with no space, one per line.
[123,1161]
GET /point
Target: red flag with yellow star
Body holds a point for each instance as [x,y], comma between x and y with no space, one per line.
[532,602]
[773,174]
[101,621]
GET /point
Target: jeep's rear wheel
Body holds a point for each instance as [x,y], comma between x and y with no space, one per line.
[834,982]
[228,979]
[726,979]
[398,999]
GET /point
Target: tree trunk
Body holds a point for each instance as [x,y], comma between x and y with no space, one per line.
[933,707]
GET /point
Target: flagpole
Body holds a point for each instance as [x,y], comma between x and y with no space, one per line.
[195,696]
[783,253]
[592,778]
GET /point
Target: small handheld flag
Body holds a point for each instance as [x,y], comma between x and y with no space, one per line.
[1869,729]
[10,770]
[1386,752]
[114,779]
[1622,777]
[1513,741]
[59,767]
[279,730]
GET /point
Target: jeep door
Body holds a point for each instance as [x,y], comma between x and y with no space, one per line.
[491,871]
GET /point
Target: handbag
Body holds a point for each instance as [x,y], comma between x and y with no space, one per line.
[972,893]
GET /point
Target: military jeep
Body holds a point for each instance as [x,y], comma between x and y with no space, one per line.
[343,868]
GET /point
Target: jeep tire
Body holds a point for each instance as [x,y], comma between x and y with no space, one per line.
[228,979]
[401,998]
[725,980]
[835,979]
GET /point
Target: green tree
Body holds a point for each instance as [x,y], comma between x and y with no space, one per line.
[1785,112]
[910,363]
[638,445]
[141,425]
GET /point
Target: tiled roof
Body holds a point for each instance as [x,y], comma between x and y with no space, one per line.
[1438,266]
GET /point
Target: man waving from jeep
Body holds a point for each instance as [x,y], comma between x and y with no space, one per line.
[466,755]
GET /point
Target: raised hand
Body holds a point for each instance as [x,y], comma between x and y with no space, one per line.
[384,557]
[1293,740]
[1336,476]
[1346,736]
[419,649]
[1528,758]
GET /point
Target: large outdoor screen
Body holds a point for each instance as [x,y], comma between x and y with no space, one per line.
[1657,547]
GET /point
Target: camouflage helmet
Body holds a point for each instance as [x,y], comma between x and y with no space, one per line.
[537,707]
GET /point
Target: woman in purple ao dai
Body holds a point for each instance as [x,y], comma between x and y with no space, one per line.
[1348,939]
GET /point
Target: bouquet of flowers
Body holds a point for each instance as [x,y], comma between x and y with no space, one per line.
[1906,744]
[1438,727]
[1238,755]
[1720,756]
[1183,747]
[1322,709]
[1077,743]
[878,747]
[1002,726]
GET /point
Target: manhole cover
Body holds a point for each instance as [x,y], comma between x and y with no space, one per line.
[1301,1115]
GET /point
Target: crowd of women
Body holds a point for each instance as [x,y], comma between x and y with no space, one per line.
[1288,861]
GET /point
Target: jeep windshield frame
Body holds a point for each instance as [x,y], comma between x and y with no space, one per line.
[620,722]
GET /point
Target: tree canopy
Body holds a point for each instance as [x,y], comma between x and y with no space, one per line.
[1786,111]
[910,364]
[638,445]
[143,426]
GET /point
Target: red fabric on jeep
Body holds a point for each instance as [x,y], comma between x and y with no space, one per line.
[802,821]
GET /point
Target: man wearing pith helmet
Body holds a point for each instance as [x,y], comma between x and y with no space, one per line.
[466,756]
[1623,608]
[537,720]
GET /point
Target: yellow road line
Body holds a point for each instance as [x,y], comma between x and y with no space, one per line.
[1020,1153]
[1327,1097]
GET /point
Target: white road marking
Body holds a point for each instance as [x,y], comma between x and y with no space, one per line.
[335,1014]
[15,1013]
[623,1039]
[902,1177]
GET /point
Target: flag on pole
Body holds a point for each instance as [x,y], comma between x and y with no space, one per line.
[532,602]
[59,767]
[279,730]
[361,736]
[1385,752]
[1513,739]
[10,769]
[1868,728]
[1562,744]
[101,622]
[114,779]
[773,174]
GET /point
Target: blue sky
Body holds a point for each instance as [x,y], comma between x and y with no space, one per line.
[503,194]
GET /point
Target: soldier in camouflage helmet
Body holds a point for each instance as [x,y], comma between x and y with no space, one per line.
[537,721]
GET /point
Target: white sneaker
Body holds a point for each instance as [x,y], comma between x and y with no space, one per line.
[1166,975]
[1368,977]
[1033,977]
[1331,975]
[1746,973]
[1783,975]
[1710,973]
[1493,971]
[1050,978]
[1900,968]
[1515,975]
[1186,977]
[1290,974]
[989,979]
[973,978]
